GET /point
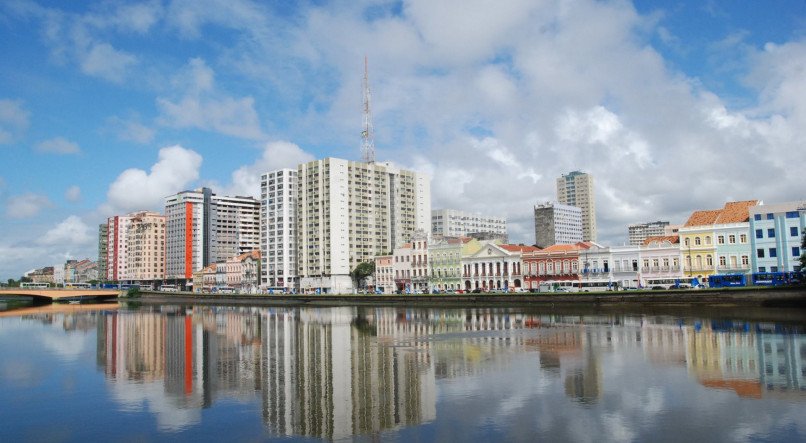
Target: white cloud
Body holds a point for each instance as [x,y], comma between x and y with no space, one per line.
[135,189]
[202,107]
[58,145]
[13,120]
[130,130]
[73,194]
[26,205]
[104,61]
[276,155]
[72,231]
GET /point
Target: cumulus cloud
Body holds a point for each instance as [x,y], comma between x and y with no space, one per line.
[130,130]
[71,231]
[135,189]
[276,155]
[102,60]
[13,120]
[202,107]
[73,194]
[26,205]
[58,145]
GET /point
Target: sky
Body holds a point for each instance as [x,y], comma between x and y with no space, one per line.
[108,107]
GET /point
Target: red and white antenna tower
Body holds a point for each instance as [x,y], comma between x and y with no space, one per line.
[368,134]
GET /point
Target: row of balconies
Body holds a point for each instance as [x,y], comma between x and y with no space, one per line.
[494,274]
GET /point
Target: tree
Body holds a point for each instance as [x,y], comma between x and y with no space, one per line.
[362,271]
[803,253]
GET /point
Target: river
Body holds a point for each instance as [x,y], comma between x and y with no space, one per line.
[208,373]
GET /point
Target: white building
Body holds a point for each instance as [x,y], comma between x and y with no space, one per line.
[557,224]
[576,189]
[661,261]
[775,233]
[640,231]
[455,223]
[494,267]
[234,226]
[348,213]
[278,229]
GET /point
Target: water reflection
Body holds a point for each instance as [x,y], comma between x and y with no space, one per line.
[337,372]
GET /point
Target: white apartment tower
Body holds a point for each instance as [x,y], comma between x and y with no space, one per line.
[234,226]
[641,231]
[278,229]
[349,212]
[576,189]
[557,224]
[455,223]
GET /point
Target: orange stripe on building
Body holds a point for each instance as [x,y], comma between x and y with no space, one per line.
[188,240]
[188,355]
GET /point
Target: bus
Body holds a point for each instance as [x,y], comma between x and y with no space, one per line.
[558,286]
[776,278]
[727,280]
[595,286]
[77,286]
[169,288]
[663,283]
[32,285]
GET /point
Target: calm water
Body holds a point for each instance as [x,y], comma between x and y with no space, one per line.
[235,374]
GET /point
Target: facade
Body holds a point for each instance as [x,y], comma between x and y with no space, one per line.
[576,189]
[716,241]
[455,223]
[595,265]
[556,263]
[278,229]
[419,261]
[103,249]
[640,231]
[661,260]
[402,268]
[557,224]
[135,247]
[384,274]
[624,267]
[348,213]
[446,262]
[494,267]
[204,228]
[776,233]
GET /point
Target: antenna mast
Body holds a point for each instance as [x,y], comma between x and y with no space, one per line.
[368,134]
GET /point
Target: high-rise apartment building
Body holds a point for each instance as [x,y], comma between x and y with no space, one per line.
[134,249]
[557,224]
[204,228]
[349,212]
[576,189]
[103,249]
[455,223]
[278,229]
[641,231]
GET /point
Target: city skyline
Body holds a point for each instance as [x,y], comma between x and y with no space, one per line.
[107,108]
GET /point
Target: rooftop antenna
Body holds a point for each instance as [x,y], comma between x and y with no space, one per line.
[368,134]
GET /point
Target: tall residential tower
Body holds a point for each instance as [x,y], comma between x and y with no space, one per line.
[576,189]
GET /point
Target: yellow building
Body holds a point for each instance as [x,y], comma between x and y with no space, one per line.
[699,236]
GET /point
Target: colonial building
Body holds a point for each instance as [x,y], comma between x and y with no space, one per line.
[384,274]
[776,233]
[556,263]
[494,267]
[446,261]
[661,260]
[402,268]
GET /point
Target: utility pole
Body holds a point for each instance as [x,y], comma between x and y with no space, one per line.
[368,134]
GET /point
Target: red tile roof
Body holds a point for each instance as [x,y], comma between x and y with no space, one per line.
[732,212]
[662,238]
[519,248]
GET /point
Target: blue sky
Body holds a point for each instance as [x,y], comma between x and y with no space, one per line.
[106,107]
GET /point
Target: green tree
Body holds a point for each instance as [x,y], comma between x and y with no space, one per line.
[803,253]
[361,272]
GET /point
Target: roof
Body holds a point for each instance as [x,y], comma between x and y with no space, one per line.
[255,254]
[732,212]
[568,247]
[662,238]
[519,248]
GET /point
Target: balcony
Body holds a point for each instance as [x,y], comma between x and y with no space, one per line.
[700,268]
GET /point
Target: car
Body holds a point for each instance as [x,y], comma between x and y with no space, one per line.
[476,291]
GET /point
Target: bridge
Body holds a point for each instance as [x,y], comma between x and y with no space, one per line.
[63,295]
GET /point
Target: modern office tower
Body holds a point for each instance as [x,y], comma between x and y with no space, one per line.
[641,231]
[103,249]
[349,212]
[234,226]
[187,237]
[135,247]
[576,189]
[557,224]
[455,223]
[278,228]
[204,228]
[776,233]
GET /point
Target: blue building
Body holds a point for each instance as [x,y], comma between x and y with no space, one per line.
[775,236]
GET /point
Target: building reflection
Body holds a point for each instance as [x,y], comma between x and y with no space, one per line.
[338,372]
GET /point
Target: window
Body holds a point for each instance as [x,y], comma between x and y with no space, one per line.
[757,217]
[720,240]
[687,241]
[773,252]
[709,260]
[697,241]
[773,268]
[732,239]
[760,253]
[762,269]
[759,233]
[745,260]
[795,251]
[770,216]
[707,239]
[793,231]
[771,232]
[723,260]
[792,214]
[743,238]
